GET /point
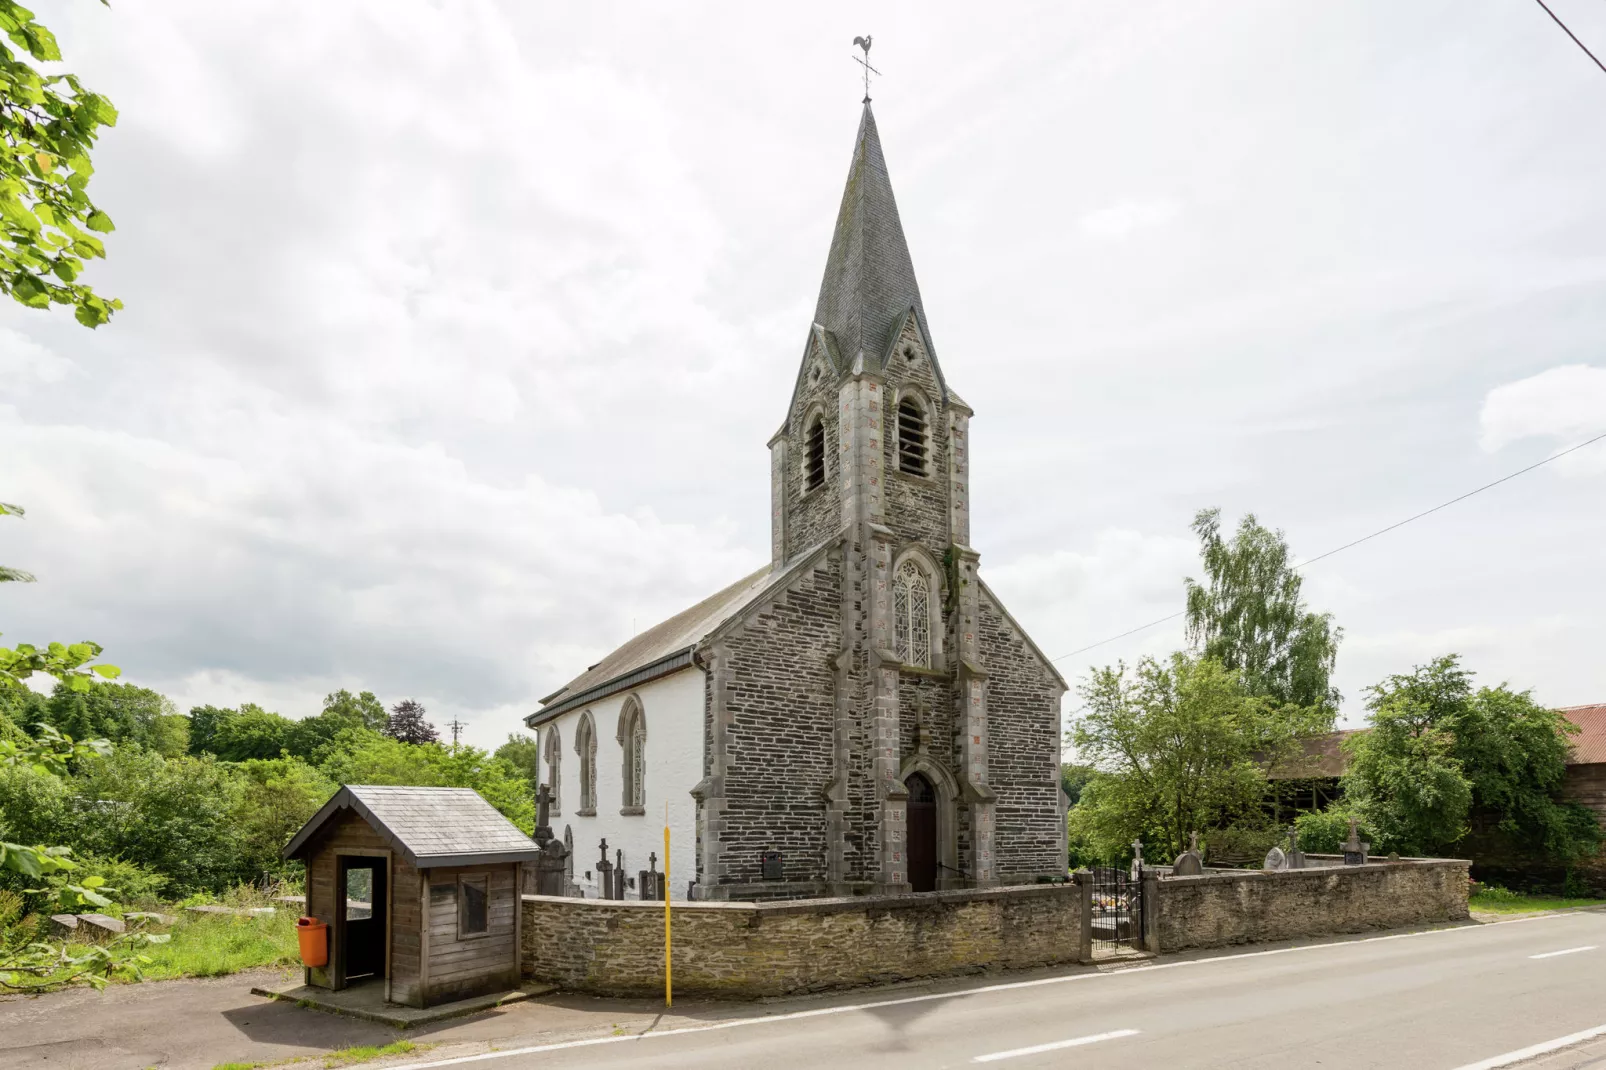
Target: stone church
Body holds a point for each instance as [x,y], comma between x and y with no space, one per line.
[864,704]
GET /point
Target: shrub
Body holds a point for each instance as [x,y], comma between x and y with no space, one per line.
[1324,831]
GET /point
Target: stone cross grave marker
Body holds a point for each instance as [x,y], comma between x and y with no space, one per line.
[1188,863]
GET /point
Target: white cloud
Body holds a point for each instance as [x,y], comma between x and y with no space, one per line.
[1123,218]
[1566,404]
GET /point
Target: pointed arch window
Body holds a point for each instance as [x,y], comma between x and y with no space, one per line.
[912,444]
[553,753]
[585,746]
[814,454]
[911,615]
[633,744]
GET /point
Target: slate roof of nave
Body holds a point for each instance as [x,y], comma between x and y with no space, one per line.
[677,635]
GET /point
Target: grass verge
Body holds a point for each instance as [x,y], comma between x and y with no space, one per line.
[337,1058]
[1500,901]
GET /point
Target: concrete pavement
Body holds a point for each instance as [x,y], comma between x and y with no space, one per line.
[1451,999]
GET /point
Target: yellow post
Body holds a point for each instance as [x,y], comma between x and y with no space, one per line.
[669,995]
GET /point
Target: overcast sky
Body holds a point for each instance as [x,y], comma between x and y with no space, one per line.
[455,331]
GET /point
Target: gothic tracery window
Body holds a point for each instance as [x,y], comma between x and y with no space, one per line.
[585,745]
[553,752]
[911,615]
[814,454]
[911,437]
[633,740]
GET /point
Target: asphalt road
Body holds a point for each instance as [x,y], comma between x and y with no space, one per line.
[1451,999]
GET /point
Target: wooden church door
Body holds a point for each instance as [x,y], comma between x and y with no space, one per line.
[922,826]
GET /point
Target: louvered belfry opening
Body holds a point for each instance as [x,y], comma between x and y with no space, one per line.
[814,460]
[911,437]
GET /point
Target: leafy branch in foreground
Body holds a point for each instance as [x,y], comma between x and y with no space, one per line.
[48,123]
[38,964]
[13,575]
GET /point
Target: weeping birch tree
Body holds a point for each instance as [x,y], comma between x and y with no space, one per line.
[1248,615]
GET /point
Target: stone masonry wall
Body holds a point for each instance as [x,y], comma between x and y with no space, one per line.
[781,703]
[815,516]
[1254,906]
[748,950]
[1023,726]
[917,506]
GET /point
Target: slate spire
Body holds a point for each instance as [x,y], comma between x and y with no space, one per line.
[869,279]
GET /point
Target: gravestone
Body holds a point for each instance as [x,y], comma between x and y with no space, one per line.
[1276,861]
[1354,855]
[551,870]
[100,926]
[1189,863]
[1296,857]
[649,880]
[604,873]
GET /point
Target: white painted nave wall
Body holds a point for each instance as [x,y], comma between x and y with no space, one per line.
[672,708]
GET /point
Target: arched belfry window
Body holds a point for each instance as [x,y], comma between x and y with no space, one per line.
[912,444]
[585,745]
[553,753]
[633,743]
[911,614]
[814,454]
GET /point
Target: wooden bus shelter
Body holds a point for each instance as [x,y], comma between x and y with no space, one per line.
[419,888]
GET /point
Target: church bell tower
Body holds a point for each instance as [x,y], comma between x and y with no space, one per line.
[874,454]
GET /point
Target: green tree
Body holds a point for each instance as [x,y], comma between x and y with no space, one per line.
[239,735]
[1249,616]
[1073,778]
[1178,747]
[1439,754]
[523,753]
[378,760]
[48,124]
[276,798]
[364,710]
[170,815]
[120,713]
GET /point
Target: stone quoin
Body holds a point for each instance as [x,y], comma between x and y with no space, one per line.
[863,704]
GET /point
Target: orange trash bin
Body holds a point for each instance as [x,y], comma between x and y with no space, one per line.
[314,937]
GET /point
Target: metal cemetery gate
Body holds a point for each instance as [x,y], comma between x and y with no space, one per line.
[1117,909]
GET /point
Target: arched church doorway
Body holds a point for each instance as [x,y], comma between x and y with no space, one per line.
[922,826]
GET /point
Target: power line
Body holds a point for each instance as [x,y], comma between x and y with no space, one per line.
[1357,542]
[1569,33]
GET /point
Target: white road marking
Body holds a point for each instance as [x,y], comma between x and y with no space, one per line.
[1538,1049]
[1037,1049]
[957,994]
[1566,951]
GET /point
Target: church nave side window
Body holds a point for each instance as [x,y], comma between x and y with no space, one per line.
[553,752]
[633,738]
[814,455]
[911,613]
[585,746]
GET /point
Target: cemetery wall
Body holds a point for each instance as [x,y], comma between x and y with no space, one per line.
[747,950]
[1256,906]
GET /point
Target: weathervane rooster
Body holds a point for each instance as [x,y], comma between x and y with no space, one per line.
[864,43]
